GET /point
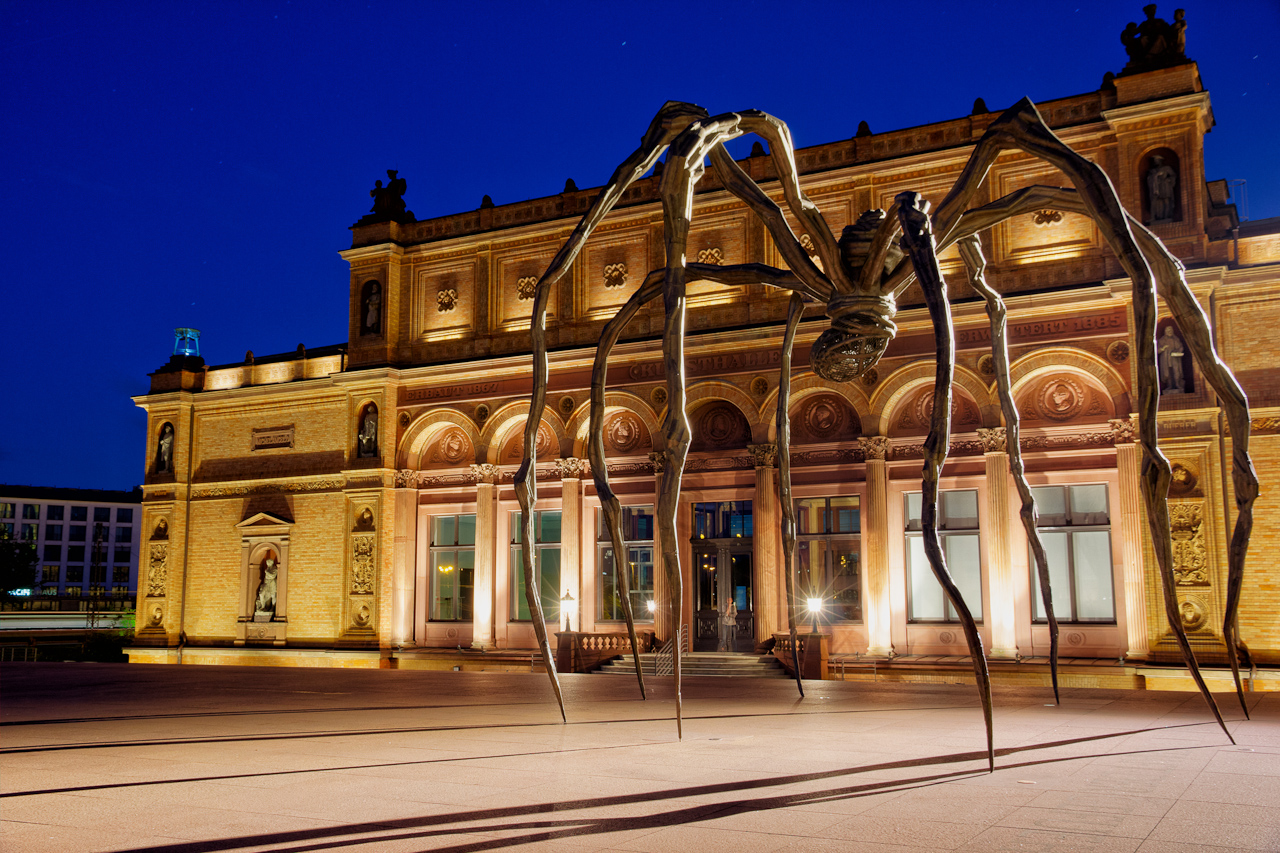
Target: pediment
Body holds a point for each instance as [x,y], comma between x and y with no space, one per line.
[263,521]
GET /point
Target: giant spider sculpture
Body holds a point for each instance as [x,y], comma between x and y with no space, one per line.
[859,278]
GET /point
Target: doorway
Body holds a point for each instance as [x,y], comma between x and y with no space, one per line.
[723,588]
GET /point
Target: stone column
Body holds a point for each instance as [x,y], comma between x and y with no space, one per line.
[766,548]
[486,555]
[572,471]
[995,536]
[664,621]
[404,557]
[875,541]
[1124,432]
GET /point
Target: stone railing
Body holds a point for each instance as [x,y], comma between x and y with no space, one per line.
[813,650]
[578,652]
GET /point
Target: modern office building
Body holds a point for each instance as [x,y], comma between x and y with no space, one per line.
[350,505]
[86,539]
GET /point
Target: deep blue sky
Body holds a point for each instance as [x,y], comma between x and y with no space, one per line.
[198,164]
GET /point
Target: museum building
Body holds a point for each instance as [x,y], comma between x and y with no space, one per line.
[353,505]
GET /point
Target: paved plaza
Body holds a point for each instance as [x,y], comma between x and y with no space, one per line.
[118,757]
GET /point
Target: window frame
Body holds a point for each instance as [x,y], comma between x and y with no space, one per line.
[829,538]
[605,546]
[434,548]
[515,567]
[1069,525]
[948,528]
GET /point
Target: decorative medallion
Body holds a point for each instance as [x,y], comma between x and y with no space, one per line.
[623,432]
[946,637]
[658,396]
[482,413]
[1061,399]
[156,617]
[446,300]
[1045,218]
[759,386]
[404,419]
[1118,352]
[453,447]
[362,617]
[615,275]
[713,256]
[566,405]
[1184,480]
[962,410]
[1193,613]
[526,287]
[823,417]
[1074,638]
[870,377]
[451,633]
[987,365]
[717,425]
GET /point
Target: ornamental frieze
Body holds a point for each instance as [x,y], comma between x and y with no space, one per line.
[268,489]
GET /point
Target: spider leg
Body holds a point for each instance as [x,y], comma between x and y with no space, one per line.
[917,240]
[666,125]
[971,252]
[795,310]
[1021,127]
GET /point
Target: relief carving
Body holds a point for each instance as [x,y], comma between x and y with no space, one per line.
[1123,430]
[994,440]
[158,569]
[764,455]
[571,468]
[1061,399]
[713,256]
[362,564]
[487,473]
[874,447]
[623,432]
[526,287]
[1190,557]
[406,479]
[615,275]
[446,300]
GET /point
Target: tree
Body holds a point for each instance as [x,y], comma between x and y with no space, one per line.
[18,561]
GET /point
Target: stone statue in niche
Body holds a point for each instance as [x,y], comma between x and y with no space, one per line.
[164,450]
[1162,181]
[1155,43]
[371,311]
[1169,353]
[367,439]
[264,603]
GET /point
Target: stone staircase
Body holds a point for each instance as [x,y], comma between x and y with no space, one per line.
[717,664]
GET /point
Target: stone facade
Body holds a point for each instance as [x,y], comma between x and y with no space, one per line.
[269,457]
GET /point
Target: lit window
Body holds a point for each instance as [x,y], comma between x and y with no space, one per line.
[637,535]
[6,510]
[1075,529]
[829,559]
[453,567]
[31,511]
[546,555]
[961,547]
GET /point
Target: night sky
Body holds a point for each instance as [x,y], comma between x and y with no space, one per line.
[199,164]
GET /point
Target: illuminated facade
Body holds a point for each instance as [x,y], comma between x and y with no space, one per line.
[353,505]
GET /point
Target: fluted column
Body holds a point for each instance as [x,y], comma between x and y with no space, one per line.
[765,545]
[1124,433]
[404,557]
[877,610]
[995,529]
[572,471]
[486,555]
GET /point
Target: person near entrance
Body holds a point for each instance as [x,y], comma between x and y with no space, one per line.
[728,624]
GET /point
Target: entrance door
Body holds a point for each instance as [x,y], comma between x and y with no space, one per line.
[722,580]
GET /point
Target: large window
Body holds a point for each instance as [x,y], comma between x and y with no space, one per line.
[124,534]
[77,533]
[102,514]
[31,511]
[53,532]
[79,513]
[53,513]
[828,552]
[958,530]
[6,510]
[637,533]
[453,567]
[546,560]
[722,520]
[1075,527]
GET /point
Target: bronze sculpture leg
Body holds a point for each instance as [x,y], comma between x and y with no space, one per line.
[795,309]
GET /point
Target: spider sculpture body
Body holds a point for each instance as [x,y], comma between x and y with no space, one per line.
[858,278]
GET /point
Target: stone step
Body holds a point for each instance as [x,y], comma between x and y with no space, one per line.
[718,664]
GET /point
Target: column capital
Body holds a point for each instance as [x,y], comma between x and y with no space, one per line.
[406,478]
[874,447]
[1124,430]
[487,473]
[764,455]
[571,468]
[658,458]
[994,440]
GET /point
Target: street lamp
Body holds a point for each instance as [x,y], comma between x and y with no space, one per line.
[815,607]
[567,606]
